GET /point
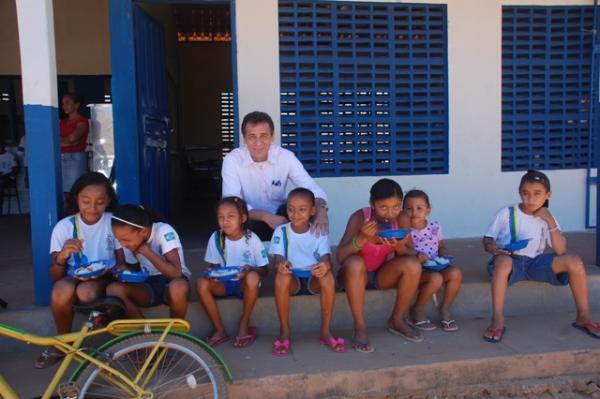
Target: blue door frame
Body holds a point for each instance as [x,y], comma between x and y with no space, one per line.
[129,150]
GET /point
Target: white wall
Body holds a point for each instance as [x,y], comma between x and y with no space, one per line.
[464,200]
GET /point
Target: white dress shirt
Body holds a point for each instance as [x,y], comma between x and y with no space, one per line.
[263,184]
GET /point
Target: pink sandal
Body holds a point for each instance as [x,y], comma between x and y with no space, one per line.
[335,344]
[281,347]
[215,341]
[244,341]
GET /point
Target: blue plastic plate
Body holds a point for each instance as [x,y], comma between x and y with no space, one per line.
[128,276]
[517,245]
[397,234]
[302,273]
[91,270]
[226,273]
[433,264]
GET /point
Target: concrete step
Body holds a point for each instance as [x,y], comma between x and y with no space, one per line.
[535,346]
[474,301]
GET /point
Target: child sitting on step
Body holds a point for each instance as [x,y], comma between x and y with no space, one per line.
[517,238]
[156,248]
[427,242]
[303,264]
[233,245]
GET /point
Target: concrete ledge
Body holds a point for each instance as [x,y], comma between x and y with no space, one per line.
[473,302]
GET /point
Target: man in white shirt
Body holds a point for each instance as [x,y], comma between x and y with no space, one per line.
[8,171]
[258,173]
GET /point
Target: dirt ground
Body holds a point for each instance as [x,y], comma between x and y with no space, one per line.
[565,387]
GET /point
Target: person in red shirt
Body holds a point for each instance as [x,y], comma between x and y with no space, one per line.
[74,130]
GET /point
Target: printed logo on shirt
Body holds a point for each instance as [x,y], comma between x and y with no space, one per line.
[276,240]
[247,255]
[110,242]
[170,236]
[276,183]
[263,253]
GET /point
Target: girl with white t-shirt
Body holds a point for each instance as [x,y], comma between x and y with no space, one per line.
[85,234]
[233,245]
[303,264]
[155,247]
[517,238]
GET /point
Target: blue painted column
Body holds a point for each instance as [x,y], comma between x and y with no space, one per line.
[40,99]
[124,97]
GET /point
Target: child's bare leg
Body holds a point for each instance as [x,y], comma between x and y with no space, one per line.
[207,289]
[502,270]
[285,283]
[573,266]
[404,274]
[131,295]
[62,299]
[354,276]
[453,280]
[326,287]
[430,283]
[178,291]
[250,288]
[89,291]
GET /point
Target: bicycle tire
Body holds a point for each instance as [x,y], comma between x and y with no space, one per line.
[207,380]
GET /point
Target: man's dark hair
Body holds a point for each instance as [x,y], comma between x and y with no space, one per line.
[257,117]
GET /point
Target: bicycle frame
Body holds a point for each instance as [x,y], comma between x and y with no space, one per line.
[70,345]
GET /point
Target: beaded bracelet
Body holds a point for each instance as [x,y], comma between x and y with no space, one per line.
[355,244]
[552,229]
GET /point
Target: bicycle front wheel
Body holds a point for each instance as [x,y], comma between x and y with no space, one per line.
[185,370]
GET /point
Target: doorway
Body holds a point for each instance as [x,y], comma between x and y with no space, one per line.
[199,80]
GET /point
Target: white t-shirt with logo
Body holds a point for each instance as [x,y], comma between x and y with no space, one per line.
[98,240]
[162,240]
[528,226]
[303,250]
[248,250]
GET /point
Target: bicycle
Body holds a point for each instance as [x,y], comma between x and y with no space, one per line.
[148,358]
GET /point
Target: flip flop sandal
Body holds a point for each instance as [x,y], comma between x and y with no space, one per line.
[362,346]
[588,328]
[494,335]
[424,325]
[449,325]
[47,358]
[415,338]
[215,341]
[336,345]
[244,341]
[281,347]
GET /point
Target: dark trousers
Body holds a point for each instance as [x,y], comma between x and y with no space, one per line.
[262,230]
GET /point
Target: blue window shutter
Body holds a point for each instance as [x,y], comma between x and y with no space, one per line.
[546,63]
[364,87]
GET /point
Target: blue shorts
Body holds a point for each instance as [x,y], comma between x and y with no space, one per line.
[532,269]
[233,288]
[157,285]
[304,286]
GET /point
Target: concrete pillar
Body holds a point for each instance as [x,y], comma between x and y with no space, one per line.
[257,55]
[40,100]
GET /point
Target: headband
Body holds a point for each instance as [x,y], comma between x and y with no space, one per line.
[128,222]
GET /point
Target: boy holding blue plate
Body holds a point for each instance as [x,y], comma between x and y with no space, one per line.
[517,238]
